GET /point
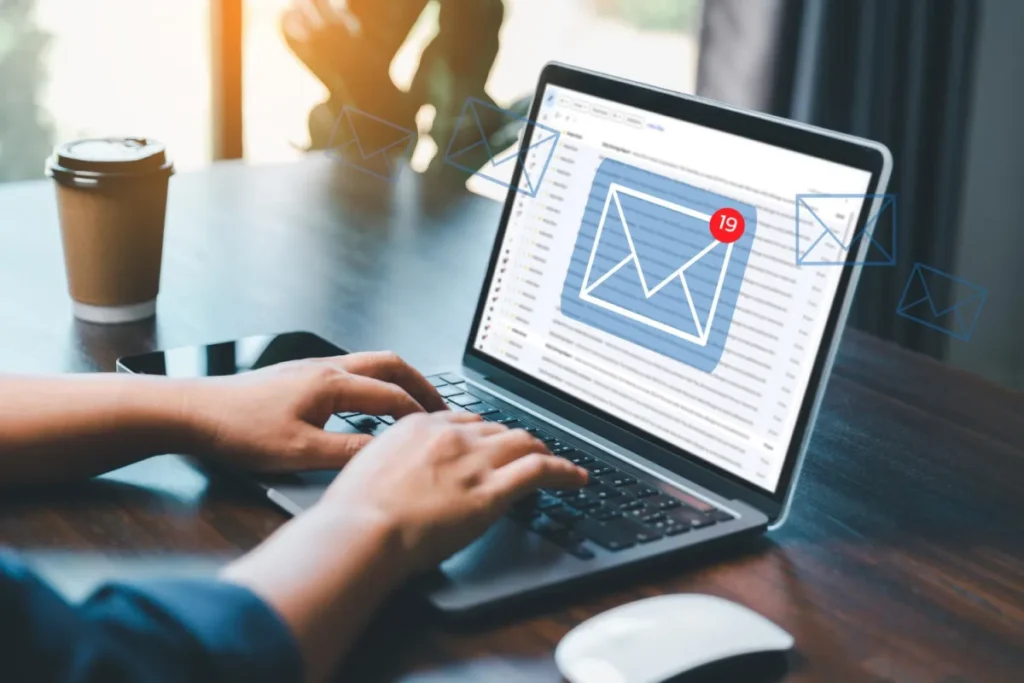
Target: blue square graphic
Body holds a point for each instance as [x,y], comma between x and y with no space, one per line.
[823,221]
[957,320]
[646,268]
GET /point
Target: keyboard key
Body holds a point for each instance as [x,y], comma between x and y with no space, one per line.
[598,468]
[648,535]
[664,502]
[583,500]
[703,522]
[335,425]
[669,527]
[614,535]
[564,514]
[562,493]
[348,413]
[436,380]
[643,491]
[452,378]
[544,501]
[637,515]
[653,517]
[498,417]
[638,509]
[581,552]
[603,491]
[548,439]
[364,423]
[447,390]
[606,514]
[386,419]
[482,408]
[463,399]
[691,518]
[578,458]
[556,532]
[374,428]
[619,479]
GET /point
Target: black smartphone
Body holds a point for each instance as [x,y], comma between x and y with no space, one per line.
[230,357]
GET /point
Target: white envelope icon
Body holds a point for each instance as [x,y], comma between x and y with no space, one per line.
[677,278]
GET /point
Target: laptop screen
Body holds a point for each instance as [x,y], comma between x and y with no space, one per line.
[651,268]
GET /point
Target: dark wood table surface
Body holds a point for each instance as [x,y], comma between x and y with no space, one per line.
[903,559]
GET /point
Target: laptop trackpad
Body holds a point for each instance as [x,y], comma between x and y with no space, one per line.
[503,548]
[497,566]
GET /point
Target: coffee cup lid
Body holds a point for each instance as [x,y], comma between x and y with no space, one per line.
[91,161]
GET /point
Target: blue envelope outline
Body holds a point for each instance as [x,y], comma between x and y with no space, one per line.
[532,183]
[345,138]
[885,201]
[922,309]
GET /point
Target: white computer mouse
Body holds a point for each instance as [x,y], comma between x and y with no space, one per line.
[652,640]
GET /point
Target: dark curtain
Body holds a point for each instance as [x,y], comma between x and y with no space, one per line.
[897,71]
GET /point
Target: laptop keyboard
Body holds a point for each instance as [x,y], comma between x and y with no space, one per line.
[615,510]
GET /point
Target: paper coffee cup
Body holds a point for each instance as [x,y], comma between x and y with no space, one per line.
[112,200]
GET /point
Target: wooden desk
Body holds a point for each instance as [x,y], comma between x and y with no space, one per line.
[903,559]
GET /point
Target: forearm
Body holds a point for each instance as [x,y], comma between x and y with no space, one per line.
[325,574]
[63,427]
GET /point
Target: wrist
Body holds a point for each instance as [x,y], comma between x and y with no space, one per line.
[156,408]
[371,534]
[196,405]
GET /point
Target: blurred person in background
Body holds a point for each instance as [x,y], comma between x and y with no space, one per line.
[349,45]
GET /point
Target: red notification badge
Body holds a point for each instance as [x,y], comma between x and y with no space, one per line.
[727,225]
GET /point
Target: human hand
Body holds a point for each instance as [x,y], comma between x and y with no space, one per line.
[419,492]
[272,419]
[438,481]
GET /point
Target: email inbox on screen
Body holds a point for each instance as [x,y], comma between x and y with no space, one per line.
[646,269]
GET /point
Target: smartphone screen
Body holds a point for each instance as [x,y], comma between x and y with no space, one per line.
[231,357]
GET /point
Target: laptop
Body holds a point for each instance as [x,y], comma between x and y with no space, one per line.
[662,305]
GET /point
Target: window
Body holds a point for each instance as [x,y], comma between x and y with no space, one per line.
[119,67]
[70,68]
[278,91]
[653,41]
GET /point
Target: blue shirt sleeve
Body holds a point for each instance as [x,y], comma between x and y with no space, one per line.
[158,631]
